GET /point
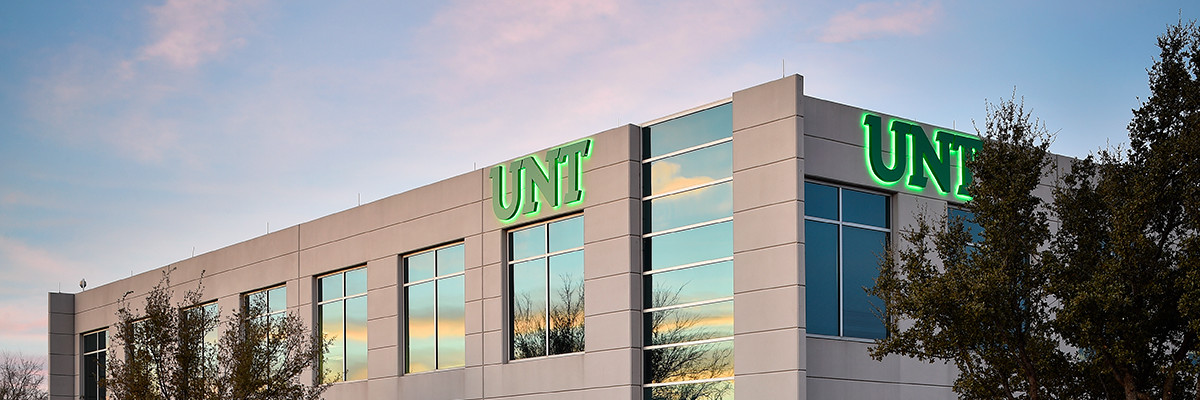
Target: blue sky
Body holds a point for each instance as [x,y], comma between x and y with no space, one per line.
[133,133]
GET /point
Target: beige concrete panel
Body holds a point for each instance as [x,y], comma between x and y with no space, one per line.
[440,196]
[94,319]
[846,359]
[535,375]
[61,364]
[834,121]
[767,226]
[384,302]
[383,332]
[611,183]
[473,251]
[615,145]
[776,385]
[382,388]
[614,393]
[771,351]
[493,284]
[612,367]
[335,256]
[383,362]
[616,330]
[493,314]
[493,252]
[347,390]
[445,227]
[473,343]
[60,303]
[612,220]
[768,309]
[768,143]
[474,382]
[383,272]
[495,348]
[767,184]
[305,291]
[474,317]
[769,267]
[473,282]
[65,323]
[620,255]
[62,386]
[838,162]
[613,293]
[822,388]
[768,102]
[248,278]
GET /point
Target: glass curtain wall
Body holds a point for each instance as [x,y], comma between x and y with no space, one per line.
[343,318]
[845,232]
[688,278]
[435,298]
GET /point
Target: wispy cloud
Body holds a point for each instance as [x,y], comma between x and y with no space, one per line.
[189,31]
[879,19]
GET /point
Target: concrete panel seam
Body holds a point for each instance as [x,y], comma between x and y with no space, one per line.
[768,122]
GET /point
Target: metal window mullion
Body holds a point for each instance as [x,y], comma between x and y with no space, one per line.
[688,227]
[689,149]
[688,265]
[840,248]
[692,304]
[661,384]
[436,318]
[691,343]
[435,278]
[547,270]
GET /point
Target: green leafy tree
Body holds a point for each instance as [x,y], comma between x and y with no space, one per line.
[166,356]
[983,306]
[1128,247]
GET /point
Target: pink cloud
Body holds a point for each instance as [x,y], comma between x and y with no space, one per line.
[878,19]
[190,31]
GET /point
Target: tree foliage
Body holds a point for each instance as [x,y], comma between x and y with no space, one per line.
[167,356]
[1107,306]
[20,378]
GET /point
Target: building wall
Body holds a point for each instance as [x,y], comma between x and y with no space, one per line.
[781,139]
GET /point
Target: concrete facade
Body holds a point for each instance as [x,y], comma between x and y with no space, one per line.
[781,138]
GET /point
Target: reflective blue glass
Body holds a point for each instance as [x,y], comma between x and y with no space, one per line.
[420,267]
[861,249]
[821,277]
[528,242]
[689,285]
[689,246]
[566,234]
[451,322]
[529,309]
[865,208]
[689,324]
[716,390]
[277,299]
[820,201]
[968,220]
[331,287]
[689,169]
[566,303]
[356,281]
[689,130]
[421,328]
[450,260]
[691,362]
[690,207]
[356,338]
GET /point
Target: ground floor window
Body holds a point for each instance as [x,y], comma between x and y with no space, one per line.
[343,318]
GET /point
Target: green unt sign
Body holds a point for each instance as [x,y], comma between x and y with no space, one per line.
[915,159]
[536,180]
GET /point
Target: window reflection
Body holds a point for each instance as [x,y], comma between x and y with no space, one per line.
[690,362]
[689,285]
[690,246]
[690,207]
[689,324]
[436,315]
[689,130]
[547,289]
[343,316]
[689,169]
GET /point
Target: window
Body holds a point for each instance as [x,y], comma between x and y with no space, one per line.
[845,231]
[95,352]
[688,277]
[208,315]
[435,297]
[343,318]
[268,303]
[967,218]
[546,267]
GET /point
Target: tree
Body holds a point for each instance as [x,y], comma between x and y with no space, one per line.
[20,378]
[167,356]
[983,306]
[1128,248]
[1108,305]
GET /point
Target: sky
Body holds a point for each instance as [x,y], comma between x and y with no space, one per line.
[135,134]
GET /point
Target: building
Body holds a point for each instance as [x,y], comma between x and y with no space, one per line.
[719,250]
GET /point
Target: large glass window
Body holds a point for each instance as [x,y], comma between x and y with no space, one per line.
[688,277]
[343,318]
[270,303]
[845,232]
[546,267]
[95,354]
[435,297]
[209,315]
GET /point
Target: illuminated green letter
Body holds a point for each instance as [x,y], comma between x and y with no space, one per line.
[500,192]
[573,155]
[539,181]
[872,127]
[965,148]
[926,158]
